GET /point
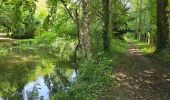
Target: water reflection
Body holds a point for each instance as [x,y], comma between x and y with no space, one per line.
[32,74]
[36,90]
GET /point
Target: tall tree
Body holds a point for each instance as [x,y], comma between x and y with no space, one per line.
[85,28]
[107,27]
[82,25]
[162,25]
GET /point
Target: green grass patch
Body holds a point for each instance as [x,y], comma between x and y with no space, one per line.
[144,47]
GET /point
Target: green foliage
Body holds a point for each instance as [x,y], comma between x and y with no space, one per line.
[144,13]
[91,81]
[94,78]
[57,46]
[120,19]
[45,38]
[32,25]
[144,47]
[18,18]
[164,55]
[56,33]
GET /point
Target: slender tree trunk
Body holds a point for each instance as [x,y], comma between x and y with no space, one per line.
[162,25]
[82,28]
[137,34]
[86,44]
[138,20]
[107,27]
[149,38]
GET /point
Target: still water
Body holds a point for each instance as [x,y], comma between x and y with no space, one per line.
[32,74]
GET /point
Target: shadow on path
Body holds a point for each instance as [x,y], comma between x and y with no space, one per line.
[140,77]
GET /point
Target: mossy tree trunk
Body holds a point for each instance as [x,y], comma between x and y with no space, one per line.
[162,25]
[107,27]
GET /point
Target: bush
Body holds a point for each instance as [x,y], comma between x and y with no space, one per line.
[28,29]
[92,80]
[164,55]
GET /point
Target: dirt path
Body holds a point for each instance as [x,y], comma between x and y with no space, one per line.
[4,38]
[140,77]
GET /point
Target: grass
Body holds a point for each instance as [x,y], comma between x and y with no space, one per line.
[146,49]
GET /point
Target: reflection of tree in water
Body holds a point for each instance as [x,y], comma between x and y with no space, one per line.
[34,94]
[13,78]
[56,82]
[19,67]
[61,78]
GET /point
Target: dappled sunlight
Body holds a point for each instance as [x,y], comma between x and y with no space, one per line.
[135,51]
[148,72]
[84,50]
[120,76]
[168,80]
[141,76]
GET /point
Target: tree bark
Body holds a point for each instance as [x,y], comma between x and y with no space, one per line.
[138,20]
[162,25]
[107,27]
[82,28]
[86,44]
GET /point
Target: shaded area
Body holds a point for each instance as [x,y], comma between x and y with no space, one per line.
[140,77]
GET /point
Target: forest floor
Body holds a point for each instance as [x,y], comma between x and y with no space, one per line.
[140,77]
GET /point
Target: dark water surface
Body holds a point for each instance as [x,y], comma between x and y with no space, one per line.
[32,74]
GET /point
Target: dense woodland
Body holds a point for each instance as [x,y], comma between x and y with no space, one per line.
[93,36]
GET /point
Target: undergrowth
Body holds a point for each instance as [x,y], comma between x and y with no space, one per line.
[94,78]
[164,55]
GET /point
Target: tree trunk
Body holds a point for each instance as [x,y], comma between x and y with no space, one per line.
[148,38]
[85,37]
[138,29]
[107,27]
[82,28]
[162,25]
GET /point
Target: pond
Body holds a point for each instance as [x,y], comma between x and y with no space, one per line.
[32,74]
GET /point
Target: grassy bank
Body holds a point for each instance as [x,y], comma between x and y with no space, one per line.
[146,49]
[94,78]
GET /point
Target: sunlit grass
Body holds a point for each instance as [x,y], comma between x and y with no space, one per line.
[119,45]
[144,47]
[147,49]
